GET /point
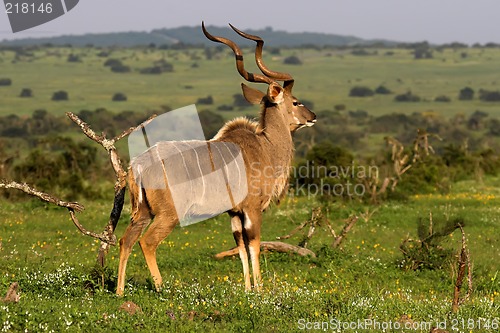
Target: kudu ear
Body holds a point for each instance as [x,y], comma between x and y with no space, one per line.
[288,85]
[275,93]
[253,96]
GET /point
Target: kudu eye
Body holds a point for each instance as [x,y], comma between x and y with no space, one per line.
[295,103]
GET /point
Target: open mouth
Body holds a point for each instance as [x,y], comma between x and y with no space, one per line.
[309,123]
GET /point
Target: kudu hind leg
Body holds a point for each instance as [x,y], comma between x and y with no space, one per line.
[128,240]
[251,229]
[237,227]
[161,227]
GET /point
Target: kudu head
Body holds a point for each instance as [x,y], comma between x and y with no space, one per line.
[279,96]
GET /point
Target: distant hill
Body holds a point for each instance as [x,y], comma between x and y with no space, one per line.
[194,36]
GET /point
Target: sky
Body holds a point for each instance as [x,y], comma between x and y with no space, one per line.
[435,21]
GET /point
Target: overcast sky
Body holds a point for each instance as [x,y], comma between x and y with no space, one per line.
[437,21]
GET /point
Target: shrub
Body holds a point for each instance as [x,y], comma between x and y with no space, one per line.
[120,69]
[119,97]
[60,96]
[382,90]
[26,92]
[489,96]
[103,54]
[360,91]
[112,62]
[240,101]
[466,94]
[422,51]
[358,114]
[164,65]
[274,51]
[339,107]
[360,52]
[407,97]
[205,100]
[427,252]
[151,70]
[442,98]
[211,122]
[5,82]
[494,128]
[74,58]
[225,107]
[292,60]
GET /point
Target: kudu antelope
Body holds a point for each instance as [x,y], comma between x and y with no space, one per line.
[267,150]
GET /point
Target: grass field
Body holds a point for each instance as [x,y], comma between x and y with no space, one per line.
[325,78]
[61,287]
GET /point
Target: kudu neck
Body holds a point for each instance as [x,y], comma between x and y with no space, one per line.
[276,130]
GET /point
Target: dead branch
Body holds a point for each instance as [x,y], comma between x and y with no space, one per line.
[12,295]
[334,234]
[72,206]
[350,222]
[294,231]
[271,246]
[463,263]
[120,184]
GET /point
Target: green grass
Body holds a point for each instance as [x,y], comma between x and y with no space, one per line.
[325,78]
[60,285]
[55,265]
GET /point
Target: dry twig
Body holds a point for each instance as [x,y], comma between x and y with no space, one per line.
[463,263]
[120,184]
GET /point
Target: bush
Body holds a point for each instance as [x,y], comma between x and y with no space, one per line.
[494,128]
[209,100]
[442,98]
[119,97]
[74,58]
[112,62]
[120,69]
[240,101]
[164,65]
[339,107]
[327,170]
[225,107]
[358,114]
[382,90]
[428,252]
[103,54]
[26,92]
[60,96]
[360,52]
[360,91]
[407,97]
[292,60]
[5,82]
[151,70]
[211,122]
[422,51]
[466,94]
[489,96]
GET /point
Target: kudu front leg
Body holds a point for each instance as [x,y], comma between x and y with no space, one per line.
[251,230]
[237,228]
